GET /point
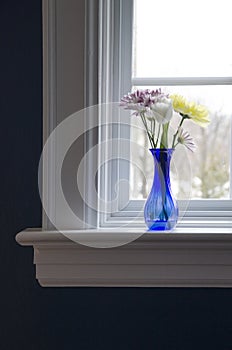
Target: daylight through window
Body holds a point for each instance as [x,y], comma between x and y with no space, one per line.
[187,46]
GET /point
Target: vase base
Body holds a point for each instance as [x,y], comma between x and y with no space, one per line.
[161,225]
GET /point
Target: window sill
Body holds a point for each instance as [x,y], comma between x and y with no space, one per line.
[184,258]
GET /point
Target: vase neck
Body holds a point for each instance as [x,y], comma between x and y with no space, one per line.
[162,158]
[162,153]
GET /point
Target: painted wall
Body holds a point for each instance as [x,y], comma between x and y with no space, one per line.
[36,318]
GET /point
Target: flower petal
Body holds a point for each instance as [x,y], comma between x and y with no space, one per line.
[162,110]
[184,138]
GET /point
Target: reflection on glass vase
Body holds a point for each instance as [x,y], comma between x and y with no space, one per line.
[161,209]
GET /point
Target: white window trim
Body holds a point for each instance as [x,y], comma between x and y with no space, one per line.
[190,257]
[114,61]
[193,258]
[60,97]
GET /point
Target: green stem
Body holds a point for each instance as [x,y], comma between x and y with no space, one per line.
[164,138]
[147,130]
[157,140]
[175,135]
[153,129]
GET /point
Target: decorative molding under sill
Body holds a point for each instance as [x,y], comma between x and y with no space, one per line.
[184,258]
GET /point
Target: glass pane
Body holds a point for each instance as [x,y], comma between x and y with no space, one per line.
[206,171]
[182,38]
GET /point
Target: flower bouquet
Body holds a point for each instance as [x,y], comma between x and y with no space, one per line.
[155,109]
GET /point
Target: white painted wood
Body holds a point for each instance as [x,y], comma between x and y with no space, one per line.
[47,169]
[115,56]
[168,81]
[193,213]
[64,73]
[91,99]
[184,258]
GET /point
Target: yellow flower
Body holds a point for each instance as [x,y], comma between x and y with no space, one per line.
[197,113]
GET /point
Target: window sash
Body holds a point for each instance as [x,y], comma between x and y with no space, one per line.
[115,32]
[200,212]
[188,81]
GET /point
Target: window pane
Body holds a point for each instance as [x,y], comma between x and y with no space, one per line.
[182,38]
[207,170]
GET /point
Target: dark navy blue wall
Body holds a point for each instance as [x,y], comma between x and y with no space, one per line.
[36,318]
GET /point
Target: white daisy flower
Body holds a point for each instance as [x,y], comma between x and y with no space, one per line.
[184,138]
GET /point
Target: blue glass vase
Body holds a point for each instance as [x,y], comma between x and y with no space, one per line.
[161,209]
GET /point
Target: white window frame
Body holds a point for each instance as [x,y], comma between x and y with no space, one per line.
[113,54]
[199,213]
[191,257]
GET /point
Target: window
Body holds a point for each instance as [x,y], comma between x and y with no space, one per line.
[114,47]
[195,61]
[192,257]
